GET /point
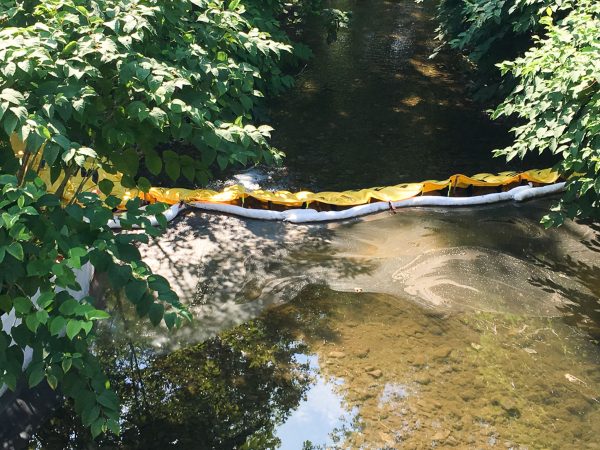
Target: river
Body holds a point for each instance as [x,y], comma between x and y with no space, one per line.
[425,328]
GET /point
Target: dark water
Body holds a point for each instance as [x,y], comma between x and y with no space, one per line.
[467,328]
[372,109]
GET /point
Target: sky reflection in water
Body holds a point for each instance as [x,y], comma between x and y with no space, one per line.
[322,412]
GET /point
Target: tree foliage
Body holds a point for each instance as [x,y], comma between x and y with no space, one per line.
[88,85]
[558,100]
[491,31]
[548,53]
[120,77]
[42,245]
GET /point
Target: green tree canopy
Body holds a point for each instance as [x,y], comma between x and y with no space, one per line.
[557,99]
[101,84]
[548,54]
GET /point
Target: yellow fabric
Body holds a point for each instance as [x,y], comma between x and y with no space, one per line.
[290,199]
[350,198]
[237,193]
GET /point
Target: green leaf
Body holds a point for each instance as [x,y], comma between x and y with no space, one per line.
[97,314]
[144,184]
[112,201]
[153,162]
[32,322]
[173,169]
[189,172]
[87,326]
[3,108]
[96,427]
[75,256]
[52,381]
[42,316]
[118,275]
[135,289]
[90,415]
[156,313]
[69,49]
[129,162]
[158,117]
[114,426]
[106,186]
[36,375]
[12,96]
[39,267]
[16,250]
[209,154]
[57,325]
[73,328]
[10,123]
[22,305]
[109,400]
[68,307]
[45,299]
[8,179]
[51,152]
[222,161]
[170,320]
[62,141]
[11,381]
[128,252]
[66,364]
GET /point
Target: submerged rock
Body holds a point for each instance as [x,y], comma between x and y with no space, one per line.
[375,373]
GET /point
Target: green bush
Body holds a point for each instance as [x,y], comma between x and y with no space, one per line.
[491,31]
[548,55]
[42,244]
[558,100]
[101,84]
[120,77]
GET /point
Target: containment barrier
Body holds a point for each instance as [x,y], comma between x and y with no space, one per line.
[299,215]
[306,206]
[456,185]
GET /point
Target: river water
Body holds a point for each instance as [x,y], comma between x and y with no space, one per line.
[373,109]
[429,328]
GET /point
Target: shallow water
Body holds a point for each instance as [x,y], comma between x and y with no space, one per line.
[428,328]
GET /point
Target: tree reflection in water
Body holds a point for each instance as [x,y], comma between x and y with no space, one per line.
[228,392]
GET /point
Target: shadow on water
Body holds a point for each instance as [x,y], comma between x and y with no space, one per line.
[229,270]
[429,328]
[373,108]
[584,309]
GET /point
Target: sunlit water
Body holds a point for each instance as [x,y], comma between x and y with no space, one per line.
[430,328]
[473,328]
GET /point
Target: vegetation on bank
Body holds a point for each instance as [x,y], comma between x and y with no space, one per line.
[548,55]
[112,84]
[101,84]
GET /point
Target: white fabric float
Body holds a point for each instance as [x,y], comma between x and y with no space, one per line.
[518,194]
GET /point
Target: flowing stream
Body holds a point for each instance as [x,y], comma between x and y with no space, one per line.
[425,328]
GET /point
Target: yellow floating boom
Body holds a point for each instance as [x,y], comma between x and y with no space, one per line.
[284,199]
